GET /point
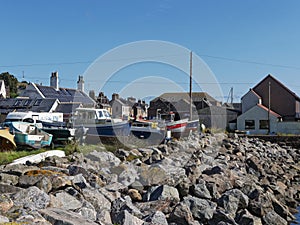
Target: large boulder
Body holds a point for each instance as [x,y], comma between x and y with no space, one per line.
[64,217]
[202,209]
[104,159]
[164,192]
[31,198]
[272,218]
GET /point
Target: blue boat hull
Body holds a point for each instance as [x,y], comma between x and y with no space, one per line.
[98,132]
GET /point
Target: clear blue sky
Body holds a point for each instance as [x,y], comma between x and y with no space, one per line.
[39,37]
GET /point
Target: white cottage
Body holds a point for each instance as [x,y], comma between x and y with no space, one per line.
[257,120]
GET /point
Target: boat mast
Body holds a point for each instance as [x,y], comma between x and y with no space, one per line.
[191,80]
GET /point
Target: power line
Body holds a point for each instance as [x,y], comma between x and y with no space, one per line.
[155,57]
[251,62]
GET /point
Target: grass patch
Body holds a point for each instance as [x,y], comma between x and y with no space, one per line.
[8,157]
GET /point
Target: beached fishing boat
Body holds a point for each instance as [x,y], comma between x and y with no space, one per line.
[148,130]
[51,123]
[96,124]
[28,134]
[7,142]
[174,124]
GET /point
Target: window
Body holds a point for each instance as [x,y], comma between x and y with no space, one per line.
[37,102]
[27,102]
[100,114]
[18,103]
[264,124]
[249,124]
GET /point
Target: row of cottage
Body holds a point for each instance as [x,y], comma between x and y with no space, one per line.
[268,108]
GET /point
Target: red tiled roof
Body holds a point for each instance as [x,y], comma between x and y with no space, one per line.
[271,112]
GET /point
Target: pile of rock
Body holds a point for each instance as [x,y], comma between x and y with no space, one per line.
[211,179]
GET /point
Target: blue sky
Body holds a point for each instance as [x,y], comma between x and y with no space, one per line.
[240,41]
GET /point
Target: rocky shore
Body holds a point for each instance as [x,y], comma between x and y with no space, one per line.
[212,179]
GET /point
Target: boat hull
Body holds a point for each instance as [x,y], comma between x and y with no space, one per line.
[177,128]
[148,131]
[7,142]
[28,134]
[95,133]
[192,126]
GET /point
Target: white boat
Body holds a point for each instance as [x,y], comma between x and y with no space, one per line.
[173,124]
[51,123]
[28,134]
[148,130]
[99,124]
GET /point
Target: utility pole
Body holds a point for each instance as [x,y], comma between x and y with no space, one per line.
[191,81]
[269,108]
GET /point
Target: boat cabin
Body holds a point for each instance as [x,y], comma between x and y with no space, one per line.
[33,117]
[91,116]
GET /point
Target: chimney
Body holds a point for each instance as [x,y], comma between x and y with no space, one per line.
[115,96]
[54,80]
[80,84]
[92,94]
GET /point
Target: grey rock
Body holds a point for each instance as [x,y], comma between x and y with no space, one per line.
[75,170]
[147,208]
[125,218]
[181,215]
[9,179]
[126,173]
[151,175]
[272,218]
[200,190]
[261,205]
[164,192]
[88,211]
[18,169]
[104,159]
[56,169]
[229,203]
[3,219]
[157,218]
[32,198]
[246,218]
[26,181]
[64,217]
[243,199]
[221,218]
[97,199]
[65,201]
[123,204]
[202,210]
[44,184]
[79,181]
[184,187]
[7,188]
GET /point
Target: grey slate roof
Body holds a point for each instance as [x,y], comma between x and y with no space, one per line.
[67,108]
[66,95]
[176,96]
[22,105]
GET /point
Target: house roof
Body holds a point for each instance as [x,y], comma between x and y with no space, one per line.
[122,101]
[25,104]
[66,95]
[266,109]
[253,92]
[281,84]
[176,96]
[67,107]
